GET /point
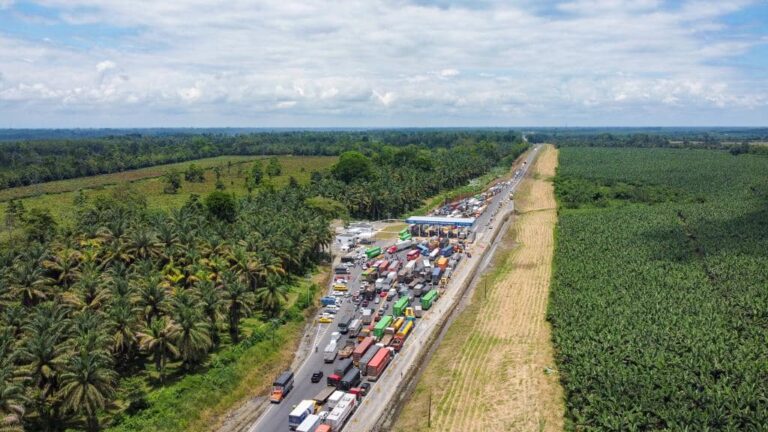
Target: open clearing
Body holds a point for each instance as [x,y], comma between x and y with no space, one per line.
[58,196]
[494,370]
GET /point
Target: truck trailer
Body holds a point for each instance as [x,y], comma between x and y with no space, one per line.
[342,412]
[351,379]
[378,364]
[402,335]
[330,352]
[368,356]
[383,323]
[301,412]
[399,308]
[281,387]
[309,424]
[361,348]
[428,299]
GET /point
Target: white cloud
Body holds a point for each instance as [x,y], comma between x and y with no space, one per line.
[6,4]
[364,60]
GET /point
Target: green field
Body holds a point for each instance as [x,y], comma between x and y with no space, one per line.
[660,293]
[58,196]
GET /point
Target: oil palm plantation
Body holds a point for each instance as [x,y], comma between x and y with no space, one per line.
[88,386]
[158,339]
[239,300]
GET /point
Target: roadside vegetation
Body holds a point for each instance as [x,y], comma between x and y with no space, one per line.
[131,316]
[658,302]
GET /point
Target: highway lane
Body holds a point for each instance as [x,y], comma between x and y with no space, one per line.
[275,417]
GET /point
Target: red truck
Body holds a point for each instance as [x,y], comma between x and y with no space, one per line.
[361,348]
[379,362]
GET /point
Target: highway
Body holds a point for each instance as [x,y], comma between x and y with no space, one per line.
[275,416]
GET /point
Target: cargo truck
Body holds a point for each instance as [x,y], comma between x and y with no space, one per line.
[418,311]
[309,424]
[354,327]
[351,379]
[399,308]
[344,324]
[346,352]
[323,428]
[361,348]
[323,395]
[368,356]
[281,387]
[442,262]
[385,321]
[378,364]
[436,273]
[330,352]
[334,398]
[428,299]
[301,412]
[402,335]
[412,255]
[389,335]
[417,290]
[447,251]
[342,412]
[367,316]
[397,323]
[373,252]
[435,252]
[423,250]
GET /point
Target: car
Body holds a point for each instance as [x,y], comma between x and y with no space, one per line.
[325,319]
[365,388]
[392,249]
[377,300]
[317,376]
[335,336]
[331,309]
[364,303]
[383,294]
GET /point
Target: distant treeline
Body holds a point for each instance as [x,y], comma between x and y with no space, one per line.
[736,141]
[36,161]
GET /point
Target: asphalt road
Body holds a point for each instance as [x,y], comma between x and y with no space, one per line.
[275,417]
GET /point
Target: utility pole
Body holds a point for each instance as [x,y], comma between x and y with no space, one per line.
[429,411]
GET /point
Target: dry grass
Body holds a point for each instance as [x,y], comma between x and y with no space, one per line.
[494,371]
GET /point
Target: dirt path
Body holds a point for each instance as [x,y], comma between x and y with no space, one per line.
[495,370]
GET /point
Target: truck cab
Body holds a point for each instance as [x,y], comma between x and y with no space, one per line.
[281,387]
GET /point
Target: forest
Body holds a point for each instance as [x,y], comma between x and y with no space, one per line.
[96,312]
[60,156]
[658,308]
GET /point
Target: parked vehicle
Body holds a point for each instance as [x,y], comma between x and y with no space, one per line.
[378,364]
[322,396]
[330,352]
[309,424]
[428,299]
[363,365]
[343,367]
[351,379]
[281,387]
[447,251]
[361,348]
[367,315]
[399,308]
[342,412]
[385,321]
[373,252]
[436,273]
[418,311]
[328,300]
[334,399]
[346,352]
[391,293]
[365,388]
[402,335]
[344,325]
[323,428]
[302,411]
[354,327]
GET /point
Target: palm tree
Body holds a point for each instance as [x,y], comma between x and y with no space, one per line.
[142,243]
[159,340]
[192,338]
[153,298]
[88,386]
[12,398]
[212,302]
[271,297]
[123,321]
[239,300]
[28,282]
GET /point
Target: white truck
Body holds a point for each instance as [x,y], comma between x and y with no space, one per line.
[341,413]
[355,327]
[330,351]
[403,244]
[309,424]
[367,316]
[301,412]
[334,399]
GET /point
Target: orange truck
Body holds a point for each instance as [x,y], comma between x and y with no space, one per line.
[281,387]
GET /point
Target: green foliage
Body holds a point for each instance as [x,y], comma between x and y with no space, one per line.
[172,180]
[353,165]
[222,206]
[257,173]
[328,207]
[659,311]
[39,225]
[194,174]
[274,168]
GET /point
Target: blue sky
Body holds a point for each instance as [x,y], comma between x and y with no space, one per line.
[378,63]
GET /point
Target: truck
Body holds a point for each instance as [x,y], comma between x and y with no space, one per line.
[399,308]
[391,293]
[447,251]
[351,379]
[368,356]
[330,352]
[323,428]
[389,334]
[383,267]
[367,316]
[309,424]
[397,323]
[442,262]
[369,274]
[347,350]
[378,364]
[373,252]
[436,273]
[303,410]
[402,335]
[418,311]
[412,255]
[344,324]
[328,300]
[354,327]
[343,367]
[334,399]
[403,245]
[379,284]
[322,397]
[435,252]
[423,250]
[361,348]
[341,413]
[428,299]
[383,323]
[281,387]
[417,290]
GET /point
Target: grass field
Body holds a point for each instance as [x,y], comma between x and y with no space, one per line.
[659,304]
[489,371]
[58,196]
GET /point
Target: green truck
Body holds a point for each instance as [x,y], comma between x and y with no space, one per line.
[382,325]
[428,299]
[399,307]
[373,252]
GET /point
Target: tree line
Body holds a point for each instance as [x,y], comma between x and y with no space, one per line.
[125,290]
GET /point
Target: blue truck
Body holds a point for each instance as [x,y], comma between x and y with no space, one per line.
[328,300]
[447,251]
[436,273]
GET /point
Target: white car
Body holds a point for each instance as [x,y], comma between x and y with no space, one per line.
[335,336]
[331,309]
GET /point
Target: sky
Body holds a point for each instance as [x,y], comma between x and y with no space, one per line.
[382,63]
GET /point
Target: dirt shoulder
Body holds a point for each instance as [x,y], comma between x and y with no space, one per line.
[494,370]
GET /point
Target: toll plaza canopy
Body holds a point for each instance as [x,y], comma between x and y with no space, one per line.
[442,221]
